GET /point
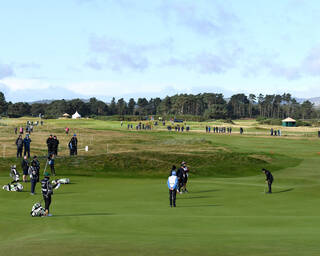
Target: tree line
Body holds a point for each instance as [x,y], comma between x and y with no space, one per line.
[206,105]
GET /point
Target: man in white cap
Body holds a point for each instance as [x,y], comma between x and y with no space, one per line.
[172,185]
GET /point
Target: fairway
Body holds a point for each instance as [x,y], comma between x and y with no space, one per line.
[117,202]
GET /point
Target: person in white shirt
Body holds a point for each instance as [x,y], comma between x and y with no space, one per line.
[172,185]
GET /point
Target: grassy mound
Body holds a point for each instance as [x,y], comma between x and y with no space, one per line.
[157,164]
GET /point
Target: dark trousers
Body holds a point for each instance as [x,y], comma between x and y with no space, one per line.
[19,152]
[269,185]
[53,171]
[27,150]
[73,151]
[33,185]
[47,202]
[172,197]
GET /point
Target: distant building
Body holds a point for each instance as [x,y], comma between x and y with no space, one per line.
[289,122]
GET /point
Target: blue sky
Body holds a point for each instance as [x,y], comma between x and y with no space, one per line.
[122,48]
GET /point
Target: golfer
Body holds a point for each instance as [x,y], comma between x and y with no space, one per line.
[47,191]
[269,179]
[172,185]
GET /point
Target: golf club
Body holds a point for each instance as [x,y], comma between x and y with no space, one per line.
[45,168]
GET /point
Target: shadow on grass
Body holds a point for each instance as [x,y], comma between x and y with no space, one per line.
[83,214]
[197,206]
[194,197]
[283,191]
[205,191]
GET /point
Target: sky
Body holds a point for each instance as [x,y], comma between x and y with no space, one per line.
[141,48]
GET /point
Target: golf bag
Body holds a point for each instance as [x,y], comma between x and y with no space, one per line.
[14,174]
[61,181]
[13,187]
[37,210]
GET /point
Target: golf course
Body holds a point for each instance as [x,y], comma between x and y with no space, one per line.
[118,201]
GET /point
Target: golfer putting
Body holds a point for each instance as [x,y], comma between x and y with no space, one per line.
[269,179]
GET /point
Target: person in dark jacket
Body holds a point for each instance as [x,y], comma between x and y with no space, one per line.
[25,168]
[51,164]
[73,145]
[50,144]
[26,144]
[35,162]
[55,145]
[47,191]
[33,177]
[180,179]
[269,179]
[19,143]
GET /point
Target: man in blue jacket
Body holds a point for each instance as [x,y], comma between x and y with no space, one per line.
[26,143]
[173,185]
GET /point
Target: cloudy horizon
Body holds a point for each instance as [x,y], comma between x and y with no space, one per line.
[123,49]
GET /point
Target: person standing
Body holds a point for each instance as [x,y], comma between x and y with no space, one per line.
[26,144]
[51,164]
[73,145]
[55,145]
[25,168]
[185,176]
[180,179]
[36,165]
[19,143]
[50,144]
[15,130]
[172,185]
[33,177]
[47,191]
[269,179]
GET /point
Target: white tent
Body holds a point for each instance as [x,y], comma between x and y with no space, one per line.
[76,115]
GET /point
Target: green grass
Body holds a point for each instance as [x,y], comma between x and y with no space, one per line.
[117,203]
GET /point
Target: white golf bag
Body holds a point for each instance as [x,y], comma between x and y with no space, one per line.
[61,181]
[13,187]
[37,210]
[14,174]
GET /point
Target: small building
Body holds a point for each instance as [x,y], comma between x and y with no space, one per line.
[289,122]
[66,115]
[76,115]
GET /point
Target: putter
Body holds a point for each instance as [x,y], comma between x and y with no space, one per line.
[265,188]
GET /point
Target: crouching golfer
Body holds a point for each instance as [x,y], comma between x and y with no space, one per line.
[47,191]
[172,185]
[269,179]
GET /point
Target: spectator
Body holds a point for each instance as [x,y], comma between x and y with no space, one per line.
[19,143]
[55,145]
[26,144]
[25,168]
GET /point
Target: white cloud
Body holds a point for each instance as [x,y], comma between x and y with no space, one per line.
[15,84]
